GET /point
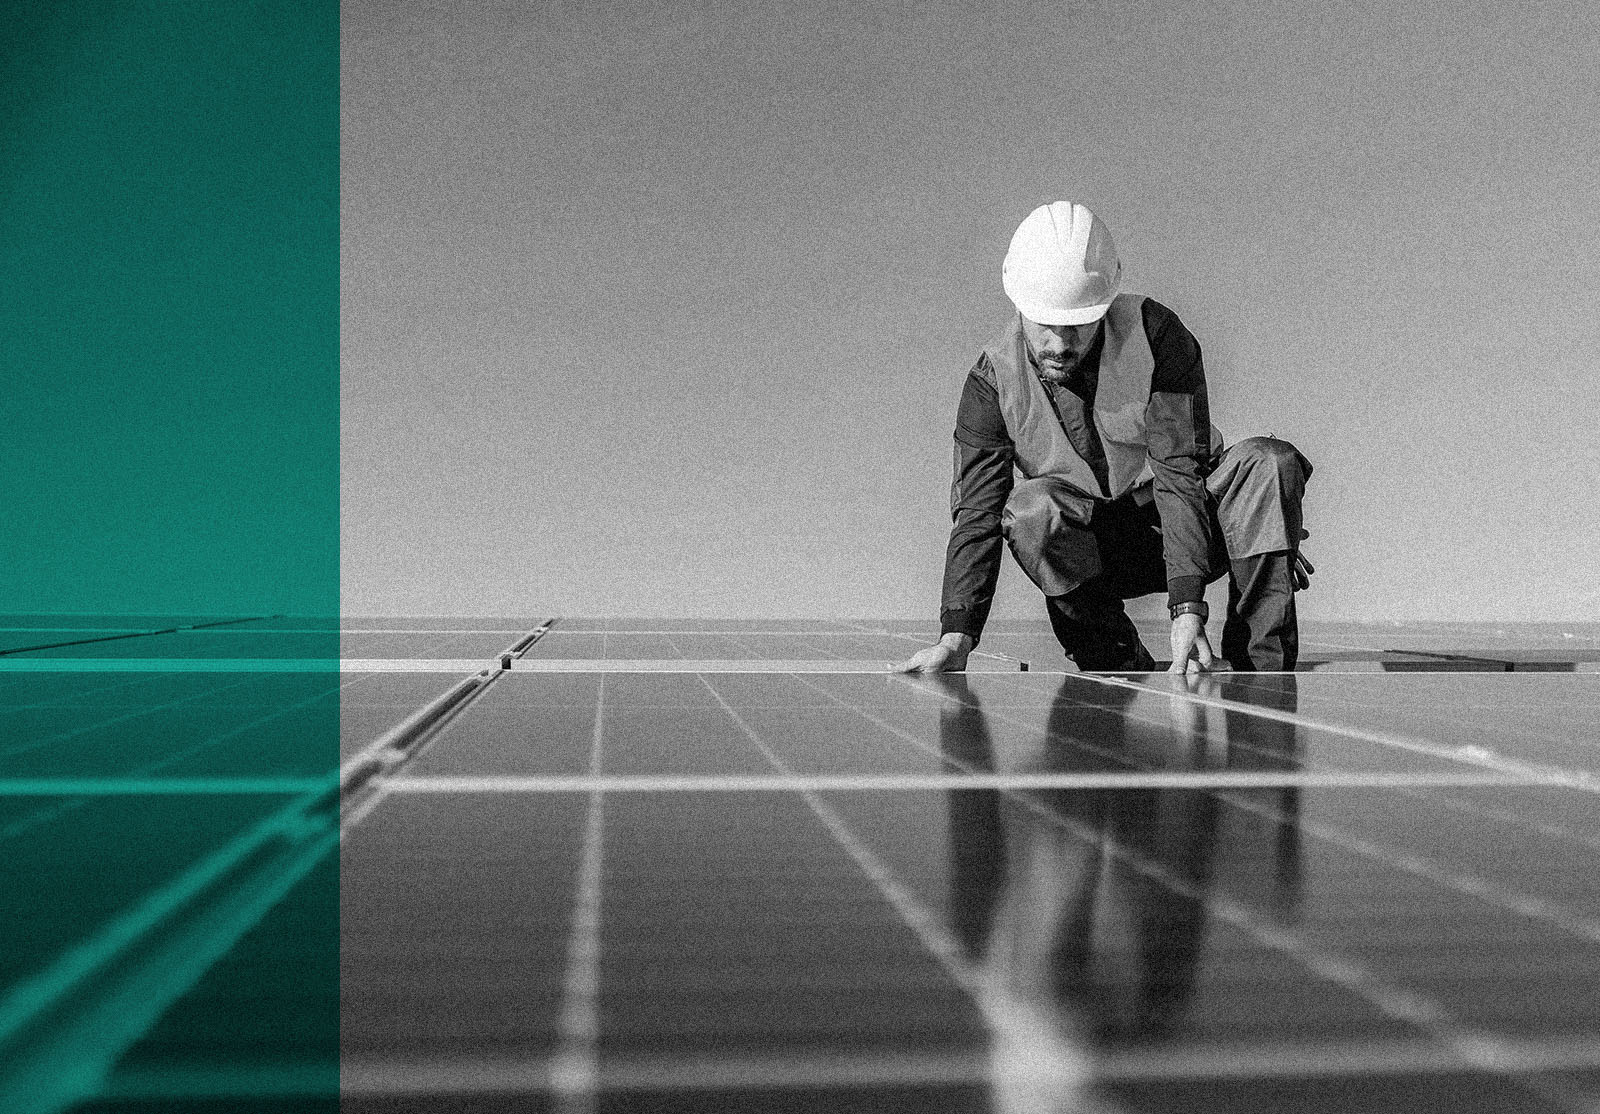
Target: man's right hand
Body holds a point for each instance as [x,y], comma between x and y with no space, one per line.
[948,655]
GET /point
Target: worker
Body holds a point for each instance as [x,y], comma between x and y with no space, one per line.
[1097,399]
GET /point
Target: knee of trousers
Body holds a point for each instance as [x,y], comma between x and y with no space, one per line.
[1046,525]
[1258,489]
[1270,454]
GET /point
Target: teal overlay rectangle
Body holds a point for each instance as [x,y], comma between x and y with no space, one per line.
[169,295]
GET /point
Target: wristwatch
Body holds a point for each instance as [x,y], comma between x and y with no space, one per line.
[1197,608]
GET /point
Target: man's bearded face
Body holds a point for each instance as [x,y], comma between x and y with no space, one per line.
[1058,348]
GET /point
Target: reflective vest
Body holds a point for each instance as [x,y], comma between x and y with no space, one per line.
[1121,396]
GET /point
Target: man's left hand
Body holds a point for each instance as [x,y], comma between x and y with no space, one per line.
[1302,569]
[1191,650]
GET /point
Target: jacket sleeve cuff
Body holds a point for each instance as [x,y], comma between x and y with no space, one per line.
[1185,589]
[961,621]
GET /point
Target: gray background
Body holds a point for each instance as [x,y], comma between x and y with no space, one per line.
[663,310]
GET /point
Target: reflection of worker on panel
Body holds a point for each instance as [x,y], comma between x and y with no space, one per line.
[1088,909]
[1098,399]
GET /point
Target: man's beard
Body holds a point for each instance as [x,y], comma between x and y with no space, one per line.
[1057,373]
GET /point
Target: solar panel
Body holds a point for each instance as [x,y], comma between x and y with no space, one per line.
[736,865]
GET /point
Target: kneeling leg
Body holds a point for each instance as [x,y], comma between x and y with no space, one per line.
[1258,487]
[1261,631]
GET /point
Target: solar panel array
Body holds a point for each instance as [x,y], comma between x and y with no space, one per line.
[583,864]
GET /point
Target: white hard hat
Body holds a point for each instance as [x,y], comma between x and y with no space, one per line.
[1062,268]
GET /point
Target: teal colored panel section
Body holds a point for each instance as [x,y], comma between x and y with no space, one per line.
[229,644]
[260,1030]
[169,298]
[133,805]
[169,206]
[170,725]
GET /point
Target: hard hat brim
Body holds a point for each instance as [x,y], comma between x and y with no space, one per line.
[1055,315]
[1050,312]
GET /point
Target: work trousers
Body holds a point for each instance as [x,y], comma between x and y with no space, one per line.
[1088,558]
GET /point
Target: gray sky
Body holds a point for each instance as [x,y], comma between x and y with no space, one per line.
[664,309]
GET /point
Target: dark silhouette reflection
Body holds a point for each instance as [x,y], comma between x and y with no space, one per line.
[1087,909]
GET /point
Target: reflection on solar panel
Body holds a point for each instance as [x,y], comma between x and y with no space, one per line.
[595,865]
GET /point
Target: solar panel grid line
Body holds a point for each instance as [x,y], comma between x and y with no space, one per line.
[695,632]
[740,644]
[169,665]
[1474,1047]
[1479,679]
[83,729]
[1470,755]
[1445,676]
[705,665]
[818,649]
[1257,1061]
[58,701]
[155,787]
[1442,874]
[794,641]
[64,1027]
[212,624]
[433,645]
[190,1086]
[42,816]
[901,635]
[1554,832]
[88,641]
[408,630]
[137,780]
[85,788]
[1267,1060]
[1047,1054]
[1129,779]
[414,665]
[249,725]
[575,1067]
[51,630]
[799,1069]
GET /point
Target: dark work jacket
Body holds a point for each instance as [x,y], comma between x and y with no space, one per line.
[1179,440]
